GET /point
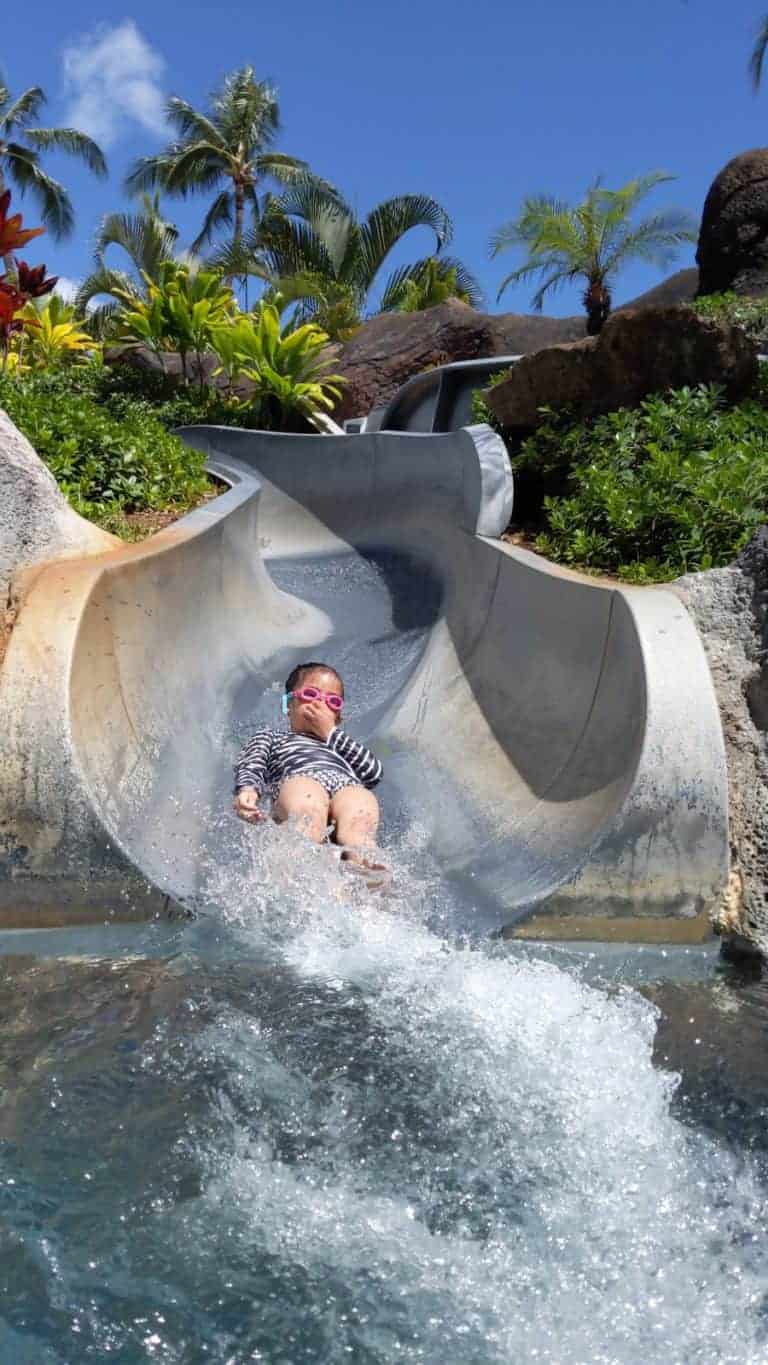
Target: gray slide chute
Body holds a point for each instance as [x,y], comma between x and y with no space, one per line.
[559,739]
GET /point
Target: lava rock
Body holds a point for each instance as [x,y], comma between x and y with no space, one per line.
[391,348]
[733,243]
[638,352]
[730,608]
[36,521]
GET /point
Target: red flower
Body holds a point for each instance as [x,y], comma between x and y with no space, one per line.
[31,281]
[12,235]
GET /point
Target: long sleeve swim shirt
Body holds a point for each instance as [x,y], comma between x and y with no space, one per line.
[272,755]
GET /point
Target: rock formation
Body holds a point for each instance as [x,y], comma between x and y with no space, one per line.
[730,608]
[638,352]
[733,242]
[391,348]
[36,521]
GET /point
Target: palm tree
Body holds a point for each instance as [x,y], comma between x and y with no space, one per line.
[757,56]
[21,145]
[432,282]
[592,241]
[228,148]
[147,239]
[312,249]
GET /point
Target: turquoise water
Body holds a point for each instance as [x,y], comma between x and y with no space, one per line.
[316,1126]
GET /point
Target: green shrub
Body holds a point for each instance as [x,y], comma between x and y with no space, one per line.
[480,410]
[748,313]
[678,484]
[104,461]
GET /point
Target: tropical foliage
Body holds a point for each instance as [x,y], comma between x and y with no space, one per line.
[315,252]
[51,336]
[20,283]
[750,314]
[147,239]
[678,484]
[22,143]
[436,280]
[181,311]
[288,370]
[227,148]
[103,462]
[592,241]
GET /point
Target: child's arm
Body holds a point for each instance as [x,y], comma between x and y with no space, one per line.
[364,764]
[250,774]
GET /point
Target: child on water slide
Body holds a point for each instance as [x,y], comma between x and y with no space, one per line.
[314,772]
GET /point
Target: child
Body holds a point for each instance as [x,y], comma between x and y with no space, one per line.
[314,771]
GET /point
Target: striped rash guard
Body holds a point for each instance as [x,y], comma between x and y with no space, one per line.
[273,755]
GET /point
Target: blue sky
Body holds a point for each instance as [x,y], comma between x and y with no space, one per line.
[477,104]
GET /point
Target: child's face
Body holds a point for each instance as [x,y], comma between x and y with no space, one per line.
[303,714]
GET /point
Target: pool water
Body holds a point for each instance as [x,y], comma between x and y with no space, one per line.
[318,1125]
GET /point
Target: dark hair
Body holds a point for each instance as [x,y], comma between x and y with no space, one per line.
[297,675]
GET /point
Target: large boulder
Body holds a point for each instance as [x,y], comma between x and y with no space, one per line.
[638,352]
[391,348]
[167,370]
[36,521]
[681,287]
[730,608]
[733,242]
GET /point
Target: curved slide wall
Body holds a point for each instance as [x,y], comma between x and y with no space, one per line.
[560,738]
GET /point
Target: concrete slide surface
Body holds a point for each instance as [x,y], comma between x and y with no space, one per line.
[559,739]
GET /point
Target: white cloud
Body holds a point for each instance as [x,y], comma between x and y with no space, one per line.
[112,78]
[66,288]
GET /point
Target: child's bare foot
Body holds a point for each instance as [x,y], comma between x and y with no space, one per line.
[366,863]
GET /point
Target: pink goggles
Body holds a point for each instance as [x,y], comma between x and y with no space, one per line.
[331,699]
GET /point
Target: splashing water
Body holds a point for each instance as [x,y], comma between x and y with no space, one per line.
[369,1141]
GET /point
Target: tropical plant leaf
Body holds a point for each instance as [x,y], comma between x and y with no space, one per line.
[72,142]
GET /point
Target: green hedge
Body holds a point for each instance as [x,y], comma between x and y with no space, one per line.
[678,484]
[108,457]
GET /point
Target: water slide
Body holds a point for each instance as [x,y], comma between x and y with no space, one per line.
[556,740]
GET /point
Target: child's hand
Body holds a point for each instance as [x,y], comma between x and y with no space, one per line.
[246,804]
[318,719]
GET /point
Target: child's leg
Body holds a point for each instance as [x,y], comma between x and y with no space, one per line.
[306,801]
[355,811]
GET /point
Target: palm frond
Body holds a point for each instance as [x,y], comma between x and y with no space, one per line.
[552,282]
[286,169]
[147,240]
[384,226]
[465,281]
[218,215]
[656,240]
[103,280]
[309,197]
[23,109]
[147,173]
[71,141]
[524,272]
[291,248]
[195,169]
[191,124]
[238,259]
[757,56]
[540,214]
[246,110]
[53,202]
[98,320]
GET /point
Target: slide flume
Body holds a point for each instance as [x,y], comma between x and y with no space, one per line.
[559,739]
